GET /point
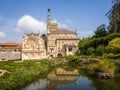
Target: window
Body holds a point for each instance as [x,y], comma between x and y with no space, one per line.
[59,50]
[51,49]
[70,49]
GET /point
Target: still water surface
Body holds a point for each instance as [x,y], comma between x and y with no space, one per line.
[72,82]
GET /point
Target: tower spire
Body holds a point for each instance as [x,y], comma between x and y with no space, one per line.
[48,20]
[49,17]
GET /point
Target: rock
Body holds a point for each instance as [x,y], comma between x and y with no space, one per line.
[105,75]
[89,60]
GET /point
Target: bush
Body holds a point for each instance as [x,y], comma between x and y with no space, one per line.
[104,66]
[90,51]
[86,43]
[100,50]
[72,58]
[114,46]
[113,56]
[22,75]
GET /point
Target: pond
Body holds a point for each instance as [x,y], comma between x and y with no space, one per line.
[61,79]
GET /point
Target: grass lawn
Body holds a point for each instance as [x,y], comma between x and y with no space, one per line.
[11,66]
[21,73]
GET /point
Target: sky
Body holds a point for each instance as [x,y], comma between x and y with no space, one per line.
[25,16]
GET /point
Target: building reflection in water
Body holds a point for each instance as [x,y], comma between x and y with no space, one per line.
[61,77]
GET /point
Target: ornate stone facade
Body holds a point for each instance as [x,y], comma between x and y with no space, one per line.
[60,42]
[33,47]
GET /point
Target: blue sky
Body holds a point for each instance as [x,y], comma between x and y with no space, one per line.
[19,16]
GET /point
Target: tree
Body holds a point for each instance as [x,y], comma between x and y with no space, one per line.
[72,58]
[83,45]
[114,17]
[101,31]
[90,51]
[45,39]
[114,46]
[100,50]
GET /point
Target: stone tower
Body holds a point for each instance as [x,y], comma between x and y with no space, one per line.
[60,42]
[51,26]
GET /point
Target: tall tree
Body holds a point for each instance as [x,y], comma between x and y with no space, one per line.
[114,17]
[45,39]
[100,31]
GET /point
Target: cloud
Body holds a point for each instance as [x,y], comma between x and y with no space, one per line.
[54,21]
[2,35]
[29,24]
[84,33]
[68,21]
[61,25]
[64,26]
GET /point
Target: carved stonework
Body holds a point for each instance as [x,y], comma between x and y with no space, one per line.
[33,47]
[60,42]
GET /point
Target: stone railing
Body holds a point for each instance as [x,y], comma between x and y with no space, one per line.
[2,72]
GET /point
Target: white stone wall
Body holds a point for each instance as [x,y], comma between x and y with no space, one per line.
[10,55]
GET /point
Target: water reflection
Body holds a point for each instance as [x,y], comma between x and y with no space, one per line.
[61,79]
[38,85]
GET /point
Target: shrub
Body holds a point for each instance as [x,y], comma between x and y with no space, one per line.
[22,75]
[114,46]
[90,51]
[100,50]
[113,56]
[86,43]
[72,58]
[104,66]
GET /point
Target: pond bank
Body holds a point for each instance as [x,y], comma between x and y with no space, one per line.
[83,81]
[26,73]
[23,73]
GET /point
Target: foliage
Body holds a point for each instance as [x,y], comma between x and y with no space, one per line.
[100,50]
[90,51]
[25,72]
[69,68]
[86,43]
[104,66]
[114,46]
[101,31]
[45,39]
[112,55]
[72,58]
[114,17]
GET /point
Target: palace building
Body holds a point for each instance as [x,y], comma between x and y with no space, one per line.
[60,42]
[33,47]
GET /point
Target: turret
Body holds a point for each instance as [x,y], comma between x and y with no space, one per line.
[49,17]
[76,30]
[48,20]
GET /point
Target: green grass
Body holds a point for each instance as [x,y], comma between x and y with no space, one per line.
[21,73]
